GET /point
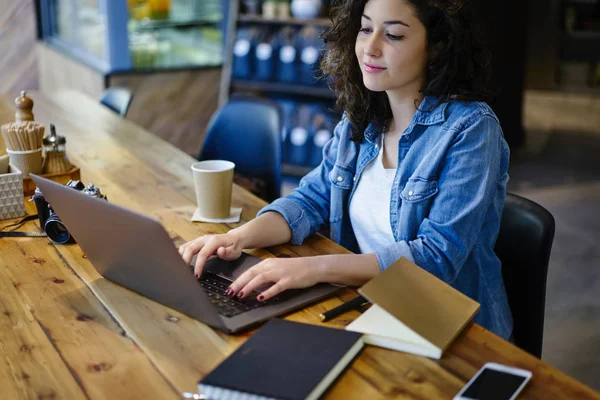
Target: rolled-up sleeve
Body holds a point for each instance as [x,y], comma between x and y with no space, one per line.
[307,208]
[468,182]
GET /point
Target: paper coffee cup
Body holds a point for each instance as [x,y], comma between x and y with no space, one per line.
[213,180]
[28,161]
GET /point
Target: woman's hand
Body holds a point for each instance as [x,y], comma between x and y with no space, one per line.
[285,273]
[227,246]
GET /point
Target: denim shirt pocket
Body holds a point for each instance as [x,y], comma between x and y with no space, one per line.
[342,180]
[417,197]
[341,177]
[419,189]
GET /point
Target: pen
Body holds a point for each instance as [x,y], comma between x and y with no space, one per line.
[22,234]
[195,396]
[353,304]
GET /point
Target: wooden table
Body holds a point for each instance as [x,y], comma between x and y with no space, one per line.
[65,332]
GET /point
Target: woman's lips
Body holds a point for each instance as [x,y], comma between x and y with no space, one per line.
[373,68]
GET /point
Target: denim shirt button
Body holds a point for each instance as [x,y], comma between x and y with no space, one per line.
[339,179]
[354,179]
[410,193]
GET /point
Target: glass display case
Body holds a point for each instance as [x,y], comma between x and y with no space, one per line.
[116,36]
[81,24]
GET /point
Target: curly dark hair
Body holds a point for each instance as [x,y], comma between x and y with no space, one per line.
[459,67]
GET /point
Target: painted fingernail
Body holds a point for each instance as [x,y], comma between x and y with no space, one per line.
[241,294]
[228,292]
[261,297]
[197,276]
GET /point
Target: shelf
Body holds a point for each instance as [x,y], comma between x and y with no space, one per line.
[152,24]
[295,170]
[581,2]
[283,88]
[284,21]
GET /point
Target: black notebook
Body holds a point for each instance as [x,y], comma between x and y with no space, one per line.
[283,360]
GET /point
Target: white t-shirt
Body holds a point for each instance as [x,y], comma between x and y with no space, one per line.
[370,206]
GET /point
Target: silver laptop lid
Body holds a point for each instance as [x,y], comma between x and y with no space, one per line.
[130,249]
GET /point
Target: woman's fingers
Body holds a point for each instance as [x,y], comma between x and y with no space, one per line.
[211,246]
[182,248]
[272,291]
[228,253]
[257,281]
[224,246]
[235,289]
[285,274]
[189,249]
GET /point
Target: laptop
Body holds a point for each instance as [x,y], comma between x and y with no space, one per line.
[135,251]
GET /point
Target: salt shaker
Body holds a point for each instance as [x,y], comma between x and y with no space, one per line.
[56,156]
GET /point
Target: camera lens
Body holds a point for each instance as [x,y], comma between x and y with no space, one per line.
[42,206]
[56,230]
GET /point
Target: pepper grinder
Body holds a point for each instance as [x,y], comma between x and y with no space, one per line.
[24,108]
[56,156]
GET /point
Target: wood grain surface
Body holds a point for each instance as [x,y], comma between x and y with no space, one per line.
[65,332]
[18,59]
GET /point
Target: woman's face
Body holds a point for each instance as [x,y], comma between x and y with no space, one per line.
[391,47]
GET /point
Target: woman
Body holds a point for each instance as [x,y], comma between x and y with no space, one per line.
[417,167]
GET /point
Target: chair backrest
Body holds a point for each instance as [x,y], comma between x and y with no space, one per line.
[523,246]
[247,132]
[117,99]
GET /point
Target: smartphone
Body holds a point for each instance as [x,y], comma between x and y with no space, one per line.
[495,382]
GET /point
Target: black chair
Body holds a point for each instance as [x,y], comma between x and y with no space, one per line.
[117,99]
[247,132]
[523,246]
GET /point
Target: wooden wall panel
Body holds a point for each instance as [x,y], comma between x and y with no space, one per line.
[58,71]
[18,66]
[173,105]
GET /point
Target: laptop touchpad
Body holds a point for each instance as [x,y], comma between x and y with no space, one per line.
[231,270]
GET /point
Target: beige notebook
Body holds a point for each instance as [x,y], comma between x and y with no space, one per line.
[413,311]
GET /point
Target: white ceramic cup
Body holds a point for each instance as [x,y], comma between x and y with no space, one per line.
[28,161]
[213,180]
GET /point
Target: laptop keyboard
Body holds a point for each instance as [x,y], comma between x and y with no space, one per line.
[215,288]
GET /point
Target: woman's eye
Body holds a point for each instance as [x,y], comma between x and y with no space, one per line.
[365,30]
[395,37]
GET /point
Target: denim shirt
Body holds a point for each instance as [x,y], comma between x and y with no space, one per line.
[446,199]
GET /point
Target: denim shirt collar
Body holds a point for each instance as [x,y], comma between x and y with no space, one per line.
[428,113]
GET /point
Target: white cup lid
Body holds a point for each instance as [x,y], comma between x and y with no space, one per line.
[213,166]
